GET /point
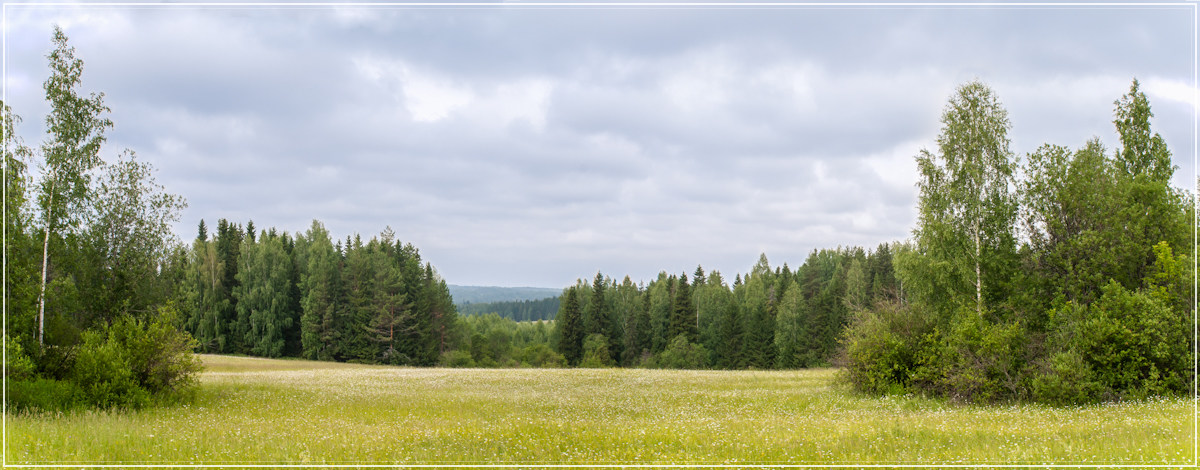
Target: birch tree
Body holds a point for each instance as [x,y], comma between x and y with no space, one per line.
[968,202]
[75,133]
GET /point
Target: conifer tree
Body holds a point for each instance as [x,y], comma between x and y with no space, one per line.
[320,285]
[683,313]
[570,326]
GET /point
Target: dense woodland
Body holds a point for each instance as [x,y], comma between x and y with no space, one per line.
[1064,275]
[518,310]
[273,294]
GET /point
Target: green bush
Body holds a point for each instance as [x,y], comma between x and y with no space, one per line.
[1134,343]
[159,356]
[1065,378]
[126,364]
[981,361]
[457,358]
[42,394]
[883,348]
[595,352]
[18,365]
[541,355]
[682,354]
[102,371]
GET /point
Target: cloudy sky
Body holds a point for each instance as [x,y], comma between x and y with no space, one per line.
[520,145]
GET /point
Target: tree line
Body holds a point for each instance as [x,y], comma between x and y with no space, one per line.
[1064,276]
[272,294]
[769,318]
[519,310]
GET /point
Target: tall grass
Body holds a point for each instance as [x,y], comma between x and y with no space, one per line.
[264,411]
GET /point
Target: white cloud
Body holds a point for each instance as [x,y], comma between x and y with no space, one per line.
[1171,90]
[426,95]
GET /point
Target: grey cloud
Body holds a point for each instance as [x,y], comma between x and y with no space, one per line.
[553,142]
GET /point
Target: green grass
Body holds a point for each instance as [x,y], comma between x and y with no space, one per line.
[252,410]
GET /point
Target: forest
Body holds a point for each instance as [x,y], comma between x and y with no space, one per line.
[1063,276]
[519,310]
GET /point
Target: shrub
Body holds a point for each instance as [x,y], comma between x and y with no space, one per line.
[159,356]
[540,355]
[682,354]
[1132,341]
[887,348]
[1065,378]
[102,371]
[42,394]
[18,365]
[456,358]
[595,352]
[980,361]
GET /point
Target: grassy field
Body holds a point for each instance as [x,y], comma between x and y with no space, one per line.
[269,411]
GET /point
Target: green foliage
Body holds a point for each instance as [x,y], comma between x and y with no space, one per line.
[886,347]
[682,354]
[103,372]
[456,358]
[1133,342]
[540,355]
[264,276]
[17,364]
[570,326]
[320,283]
[43,394]
[1065,378]
[159,356]
[595,352]
[518,310]
[683,311]
[1095,306]
[977,360]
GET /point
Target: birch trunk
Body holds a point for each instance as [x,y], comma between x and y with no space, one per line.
[45,262]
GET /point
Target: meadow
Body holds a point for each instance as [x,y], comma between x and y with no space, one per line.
[261,411]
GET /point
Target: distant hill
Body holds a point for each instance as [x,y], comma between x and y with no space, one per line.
[483,294]
[519,310]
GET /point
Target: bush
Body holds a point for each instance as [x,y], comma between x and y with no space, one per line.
[124,365]
[540,355]
[1132,341]
[102,371]
[595,352]
[18,365]
[1065,378]
[159,356]
[42,394]
[886,348]
[456,358]
[980,361]
[682,354]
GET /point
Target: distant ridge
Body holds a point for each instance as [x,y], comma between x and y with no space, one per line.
[480,294]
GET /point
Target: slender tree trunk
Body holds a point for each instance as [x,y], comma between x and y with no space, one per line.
[978,274]
[45,262]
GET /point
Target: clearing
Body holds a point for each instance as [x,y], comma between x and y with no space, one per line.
[262,411]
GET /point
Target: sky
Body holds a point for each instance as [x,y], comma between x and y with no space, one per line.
[525,145]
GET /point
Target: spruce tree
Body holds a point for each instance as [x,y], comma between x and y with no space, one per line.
[570,326]
[683,317]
